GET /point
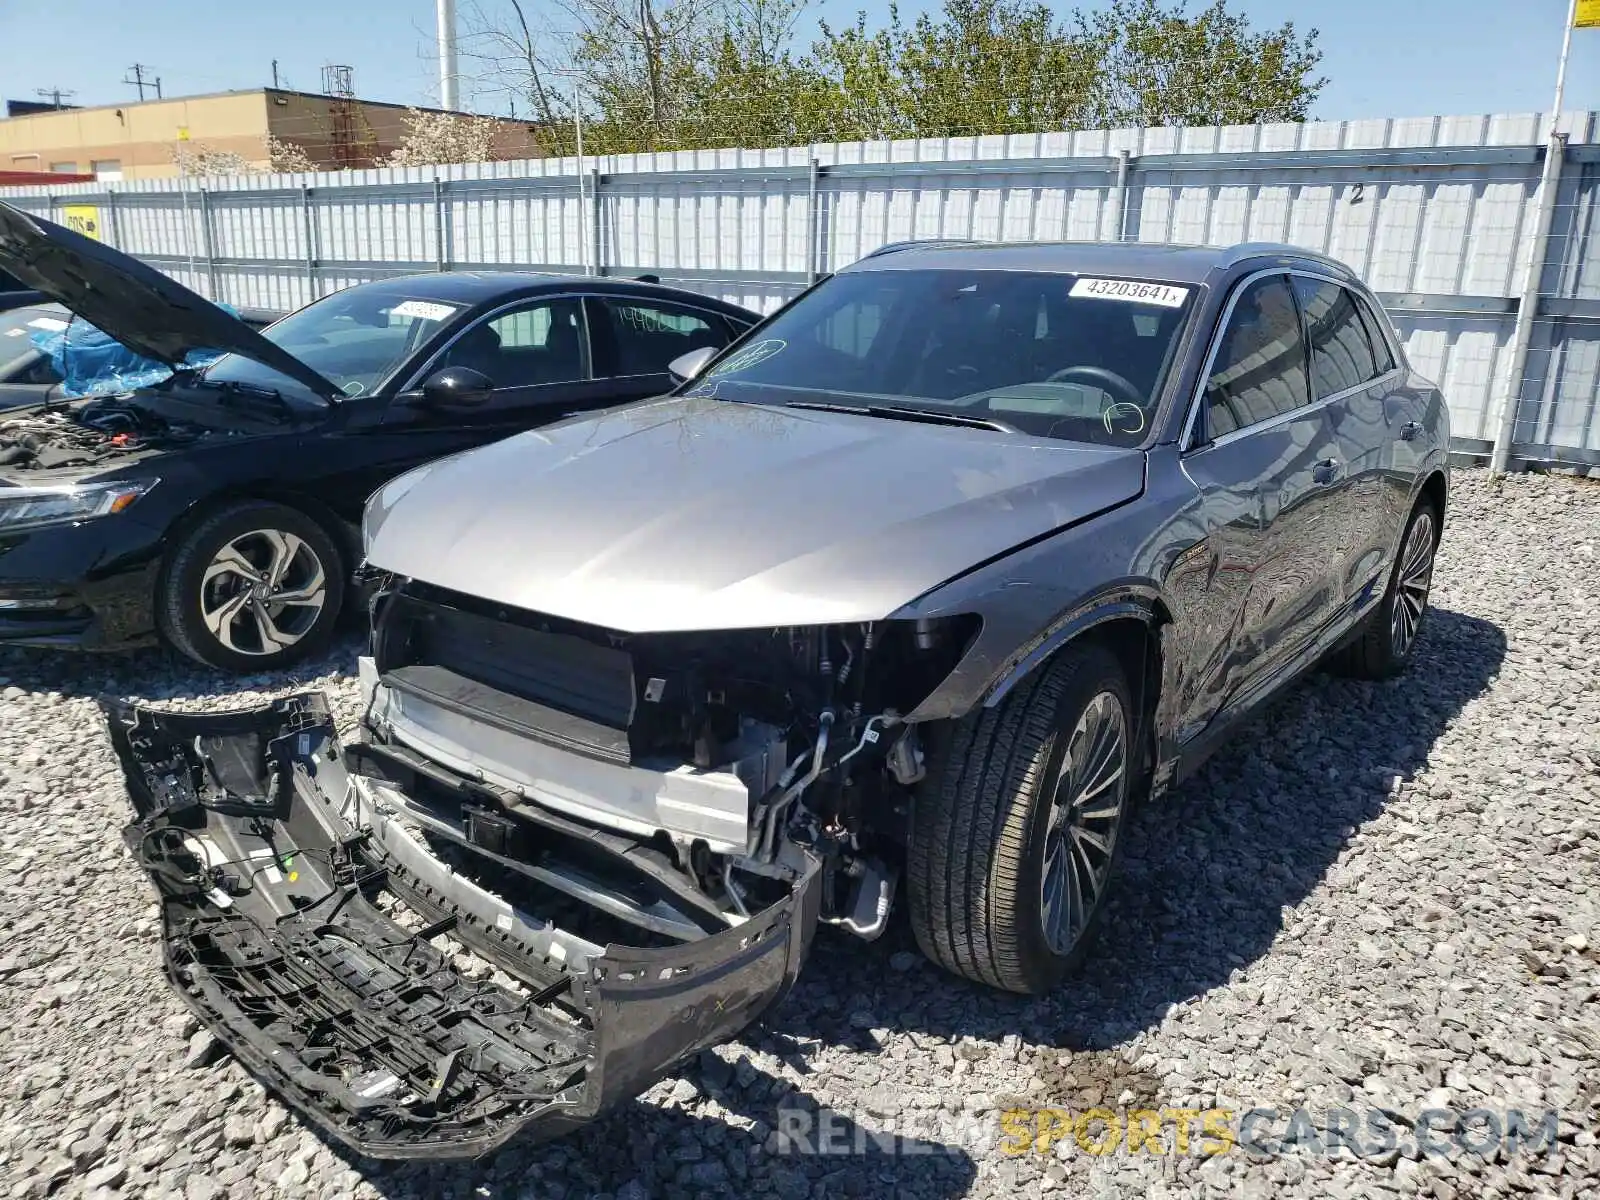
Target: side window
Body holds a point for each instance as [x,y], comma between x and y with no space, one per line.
[1260,368]
[648,336]
[1341,353]
[1382,356]
[542,343]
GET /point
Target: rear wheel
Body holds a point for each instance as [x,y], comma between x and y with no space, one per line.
[1389,633]
[253,587]
[1016,837]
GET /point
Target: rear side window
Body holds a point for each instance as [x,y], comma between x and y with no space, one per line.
[1341,351]
[646,337]
[1382,355]
[1260,369]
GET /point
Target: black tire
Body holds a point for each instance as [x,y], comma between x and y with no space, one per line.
[249,526]
[979,828]
[1378,651]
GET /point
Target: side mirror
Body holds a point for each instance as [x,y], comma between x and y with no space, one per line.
[456,387]
[686,366]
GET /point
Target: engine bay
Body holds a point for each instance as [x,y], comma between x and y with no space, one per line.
[89,433]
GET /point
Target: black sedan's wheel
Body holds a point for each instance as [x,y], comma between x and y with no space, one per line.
[254,586]
[1389,633]
[1016,837]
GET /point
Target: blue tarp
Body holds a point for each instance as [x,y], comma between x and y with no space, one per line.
[93,363]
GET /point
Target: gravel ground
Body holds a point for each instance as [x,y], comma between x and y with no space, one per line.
[1382,899]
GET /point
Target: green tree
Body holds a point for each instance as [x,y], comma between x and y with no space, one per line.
[978,66]
[691,74]
[1157,65]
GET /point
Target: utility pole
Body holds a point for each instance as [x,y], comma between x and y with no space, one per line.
[448,73]
[274,74]
[139,81]
[54,95]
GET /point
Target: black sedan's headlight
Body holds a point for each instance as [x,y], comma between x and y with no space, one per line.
[32,507]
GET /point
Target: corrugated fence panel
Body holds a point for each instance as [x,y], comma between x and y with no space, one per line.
[1435,212]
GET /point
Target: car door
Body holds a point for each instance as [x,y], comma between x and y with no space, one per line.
[1258,453]
[1361,406]
[636,337]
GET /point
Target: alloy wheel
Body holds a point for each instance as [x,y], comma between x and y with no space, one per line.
[1411,585]
[1086,807]
[262,592]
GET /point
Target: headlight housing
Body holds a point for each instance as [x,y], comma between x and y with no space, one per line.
[30,507]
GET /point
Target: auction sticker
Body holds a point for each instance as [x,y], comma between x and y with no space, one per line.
[1134,291]
[423,310]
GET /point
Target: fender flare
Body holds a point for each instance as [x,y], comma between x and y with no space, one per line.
[1123,605]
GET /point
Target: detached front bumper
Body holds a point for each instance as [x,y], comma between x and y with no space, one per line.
[302,922]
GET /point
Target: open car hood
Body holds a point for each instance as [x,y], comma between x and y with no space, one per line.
[146,311]
[304,923]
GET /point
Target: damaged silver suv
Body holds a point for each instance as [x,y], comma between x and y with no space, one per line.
[914,591]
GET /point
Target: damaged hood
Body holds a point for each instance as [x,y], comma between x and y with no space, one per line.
[146,311]
[697,513]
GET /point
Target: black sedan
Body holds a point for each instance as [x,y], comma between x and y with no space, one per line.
[219,510]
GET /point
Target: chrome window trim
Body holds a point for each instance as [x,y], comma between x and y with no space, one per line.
[1187,445]
[422,372]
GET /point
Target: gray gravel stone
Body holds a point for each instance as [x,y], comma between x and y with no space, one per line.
[1382,895]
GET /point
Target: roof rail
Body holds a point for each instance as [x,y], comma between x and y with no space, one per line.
[921,244]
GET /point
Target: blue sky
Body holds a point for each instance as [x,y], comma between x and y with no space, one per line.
[1383,57]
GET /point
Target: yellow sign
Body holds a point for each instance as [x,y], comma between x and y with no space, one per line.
[183,133]
[84,219]
[1586,15]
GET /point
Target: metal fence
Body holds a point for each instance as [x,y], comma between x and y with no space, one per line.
[1440,214]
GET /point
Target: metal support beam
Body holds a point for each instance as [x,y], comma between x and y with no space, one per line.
[1123,162]
[113,233]
[599,244]
[441,252]
[309,225]
[813,220]
[1528,305]
[209,244]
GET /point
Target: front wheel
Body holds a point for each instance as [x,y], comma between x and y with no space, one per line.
[253,587]
[1016,836]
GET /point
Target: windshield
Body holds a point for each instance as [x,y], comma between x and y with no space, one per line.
[354,338]
[1059,356]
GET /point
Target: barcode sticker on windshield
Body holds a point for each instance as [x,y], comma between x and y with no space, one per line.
[422,310]
[1132,290]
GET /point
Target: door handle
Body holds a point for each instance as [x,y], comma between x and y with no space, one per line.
[1327,470]
[1409,430]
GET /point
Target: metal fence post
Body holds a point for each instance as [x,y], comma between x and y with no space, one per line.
[599,241]
[109,226]
[1527,306]
[310,224]
[441,252]
[1124,162]
[208,242]
[813,221]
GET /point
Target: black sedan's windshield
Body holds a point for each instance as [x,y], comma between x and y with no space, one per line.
[1060,356]
[355,339]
